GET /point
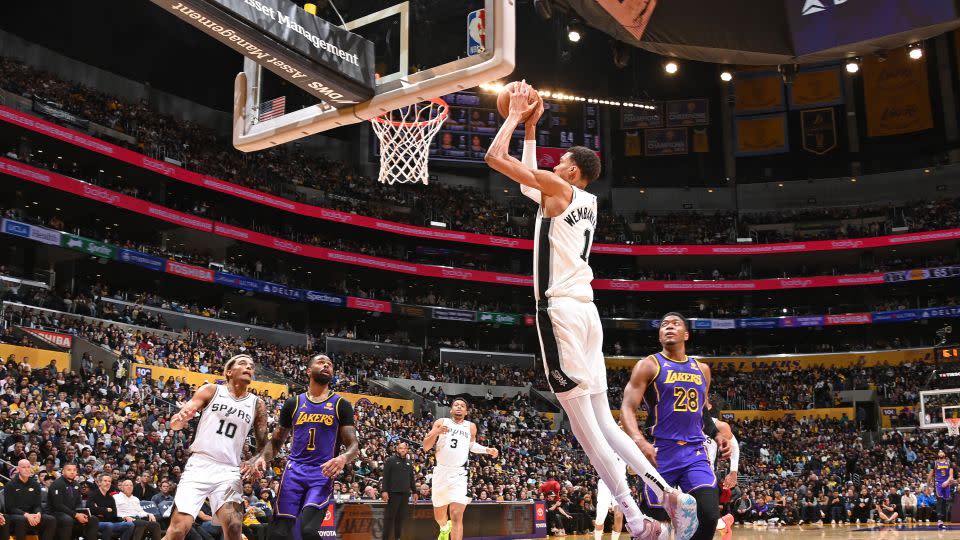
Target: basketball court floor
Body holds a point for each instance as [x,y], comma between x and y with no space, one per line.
[827,532]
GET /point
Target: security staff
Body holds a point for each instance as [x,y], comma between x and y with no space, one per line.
[397,486]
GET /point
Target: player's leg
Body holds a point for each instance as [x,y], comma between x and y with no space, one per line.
[681,507]
[604,501]
[230,515]
[441,499]
[699,481]
[191,493]
[310,520]
[617,524]
[708,512]
[287,505]
[456,516]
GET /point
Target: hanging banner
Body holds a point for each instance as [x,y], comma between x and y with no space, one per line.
[701,141]
[817,88]
[688,112]
[819,128]
[761,135]
[758,93]
[636,118]
[665,142]
[896,95]
[633,16]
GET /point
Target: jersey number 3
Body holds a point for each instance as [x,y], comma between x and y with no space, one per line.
[587,237]
[686,399]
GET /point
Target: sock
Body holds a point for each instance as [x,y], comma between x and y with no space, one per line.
[597,534]
[614,535]
[665,530]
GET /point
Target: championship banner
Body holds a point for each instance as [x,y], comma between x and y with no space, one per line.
[758,93]
[819,128]
[665,142]
[761,135]
[632,118]
[688,112]
[896,95]
[817,88]
[701,141]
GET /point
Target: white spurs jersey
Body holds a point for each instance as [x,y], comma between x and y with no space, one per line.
[224,425]
[453,447]
[561,250]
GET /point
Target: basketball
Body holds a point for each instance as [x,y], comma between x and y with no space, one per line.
[503,100]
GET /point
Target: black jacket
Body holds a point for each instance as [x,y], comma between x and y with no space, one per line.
[22,497]
[398,475]
[64,497]
[104,507]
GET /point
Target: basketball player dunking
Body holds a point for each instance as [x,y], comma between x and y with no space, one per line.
[605,503]
[673,388]
[320,420]
[568,323]
[228,413]
[455,438]
[942,478]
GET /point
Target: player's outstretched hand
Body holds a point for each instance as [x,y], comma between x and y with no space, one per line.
[493,452]
[520,100]
[253,469]
[731,480]
[334,466]
[184,415]
[723,446]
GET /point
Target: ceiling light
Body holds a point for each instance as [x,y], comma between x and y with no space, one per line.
[575,30]
[671,67]
[726,76]
[853,65]
[916,51]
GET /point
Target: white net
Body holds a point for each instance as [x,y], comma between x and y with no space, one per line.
[405,135]
[953,426]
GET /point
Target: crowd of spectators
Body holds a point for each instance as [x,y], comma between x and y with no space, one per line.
[282,170]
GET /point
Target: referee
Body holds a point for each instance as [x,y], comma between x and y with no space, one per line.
[397,486]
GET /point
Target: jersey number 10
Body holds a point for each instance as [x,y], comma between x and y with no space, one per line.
[229,431]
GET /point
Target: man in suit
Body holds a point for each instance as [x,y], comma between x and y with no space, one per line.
[66,506]
[21,498]
[397,485]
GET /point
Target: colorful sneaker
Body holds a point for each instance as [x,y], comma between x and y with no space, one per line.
[650,530]
[682,509]
[445,531]
[728,530]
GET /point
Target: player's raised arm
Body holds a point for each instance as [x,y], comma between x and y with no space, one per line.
[529,155]
[197,403]
[348,435]
[642,375]
[434,434]
[501,161]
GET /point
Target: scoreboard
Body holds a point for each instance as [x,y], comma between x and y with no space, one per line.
[474,121]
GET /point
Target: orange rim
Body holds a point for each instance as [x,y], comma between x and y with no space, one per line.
[440,117]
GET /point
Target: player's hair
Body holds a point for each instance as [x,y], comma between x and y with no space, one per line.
[587,161]
[233,360]
[315,358]
[686,325]
[465,402]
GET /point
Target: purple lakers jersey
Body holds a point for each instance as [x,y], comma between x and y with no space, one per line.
[674,401]
[315,427]
[941,471]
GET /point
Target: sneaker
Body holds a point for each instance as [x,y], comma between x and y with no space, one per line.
[445,531]
[650,530]
[682,509]
[728,531]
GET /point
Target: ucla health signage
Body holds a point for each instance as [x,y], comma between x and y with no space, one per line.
[33,232]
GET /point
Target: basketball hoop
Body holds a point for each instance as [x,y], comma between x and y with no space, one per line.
[953,425]
[405,136]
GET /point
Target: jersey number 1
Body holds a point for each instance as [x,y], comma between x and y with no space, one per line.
[587,237]
[230,431]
